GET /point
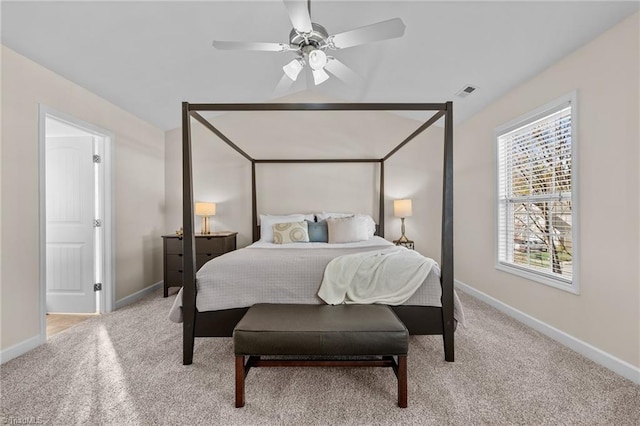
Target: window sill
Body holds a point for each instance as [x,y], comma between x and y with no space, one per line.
[561,285]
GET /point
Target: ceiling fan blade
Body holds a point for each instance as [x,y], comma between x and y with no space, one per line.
[283,86]
[342,71]
[299,15]
[245,45]
[381,31]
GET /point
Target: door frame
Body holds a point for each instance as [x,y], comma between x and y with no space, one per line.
[107,299]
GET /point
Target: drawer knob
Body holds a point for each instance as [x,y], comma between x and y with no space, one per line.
[180,270]
[180,255]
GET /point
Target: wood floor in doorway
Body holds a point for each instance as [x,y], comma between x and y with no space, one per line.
[60,322]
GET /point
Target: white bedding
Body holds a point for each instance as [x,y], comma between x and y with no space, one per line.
[389,276]
[373,242]
[286,273]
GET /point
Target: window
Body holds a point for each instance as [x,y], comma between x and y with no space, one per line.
[536,221]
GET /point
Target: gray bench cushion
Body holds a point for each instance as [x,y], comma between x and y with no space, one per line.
[283,329]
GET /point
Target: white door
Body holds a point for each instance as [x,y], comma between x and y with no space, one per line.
[70,213]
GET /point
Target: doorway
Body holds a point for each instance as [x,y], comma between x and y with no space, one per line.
[75,218]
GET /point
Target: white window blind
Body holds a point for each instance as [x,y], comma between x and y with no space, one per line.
[535,195]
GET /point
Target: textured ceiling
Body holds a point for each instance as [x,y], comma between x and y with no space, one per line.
[147,57]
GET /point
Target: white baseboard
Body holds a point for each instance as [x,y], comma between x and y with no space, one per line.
[21,348]
[138,295]
[596,355]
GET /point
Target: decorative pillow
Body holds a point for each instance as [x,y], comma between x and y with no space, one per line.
[347,230]
[318,232]
[267,221]
[291,232]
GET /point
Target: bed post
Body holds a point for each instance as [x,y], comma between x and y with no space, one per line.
[188,242]
[447,236]
[254,207]
[381,212]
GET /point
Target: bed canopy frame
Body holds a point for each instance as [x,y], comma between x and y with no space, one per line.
[418,319]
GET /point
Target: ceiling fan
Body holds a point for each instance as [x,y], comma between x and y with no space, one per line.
[310,42]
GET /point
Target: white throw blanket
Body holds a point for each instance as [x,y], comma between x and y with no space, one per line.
[388,276]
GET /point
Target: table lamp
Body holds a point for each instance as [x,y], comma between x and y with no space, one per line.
[402,209]
[205,210]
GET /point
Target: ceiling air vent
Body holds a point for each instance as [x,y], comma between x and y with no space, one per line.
[466,91]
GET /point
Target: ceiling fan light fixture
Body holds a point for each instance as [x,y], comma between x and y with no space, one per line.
[320,76]
[293,68]
[310,42]
[317,59]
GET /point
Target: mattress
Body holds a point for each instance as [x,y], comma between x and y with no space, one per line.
[286,273]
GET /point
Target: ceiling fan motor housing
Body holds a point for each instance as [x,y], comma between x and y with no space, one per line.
[316,39]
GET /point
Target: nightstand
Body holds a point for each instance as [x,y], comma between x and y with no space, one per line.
[408,244]
[207,247]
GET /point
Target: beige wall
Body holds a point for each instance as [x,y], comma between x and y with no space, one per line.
[606,314]
[138,177]
[223,176]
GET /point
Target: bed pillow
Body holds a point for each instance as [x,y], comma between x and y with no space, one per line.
[366,220]
[318,232]
[267,221]
[348,230]
[309,217]
[369,224]
[291,232]
[324,215]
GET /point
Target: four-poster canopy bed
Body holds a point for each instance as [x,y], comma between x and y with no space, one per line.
[419,320]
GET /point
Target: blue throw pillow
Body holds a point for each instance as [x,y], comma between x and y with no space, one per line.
[318,232]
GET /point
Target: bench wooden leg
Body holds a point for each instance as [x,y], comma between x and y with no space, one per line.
[402,381]
[239,381]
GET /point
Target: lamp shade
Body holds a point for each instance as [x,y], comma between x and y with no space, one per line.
[292,69]
[317,59]
[402,208]
[320,76]
[205,209]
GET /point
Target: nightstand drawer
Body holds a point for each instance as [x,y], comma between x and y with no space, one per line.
[201,259]
[173,279]
[173,245]
[205,245]
[206,248]
[174,262]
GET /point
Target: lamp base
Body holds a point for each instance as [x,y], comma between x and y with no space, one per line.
[403,238]
[205,226]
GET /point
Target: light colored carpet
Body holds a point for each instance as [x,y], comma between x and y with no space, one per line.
[125,368]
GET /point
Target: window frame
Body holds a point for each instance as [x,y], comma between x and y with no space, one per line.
[528,118]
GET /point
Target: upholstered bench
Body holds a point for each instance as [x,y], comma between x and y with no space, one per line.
[322,331]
